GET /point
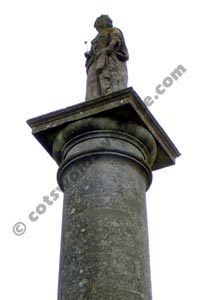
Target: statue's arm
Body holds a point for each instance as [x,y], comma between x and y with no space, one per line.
[117,45]
[115,42]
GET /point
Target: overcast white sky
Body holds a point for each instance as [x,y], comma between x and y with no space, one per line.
[42,70]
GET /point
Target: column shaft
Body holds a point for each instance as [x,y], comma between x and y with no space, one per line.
[104,250]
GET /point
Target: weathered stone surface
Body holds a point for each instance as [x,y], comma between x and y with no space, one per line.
[123,106]
[106,60]
[105,149]
[103,133]
[104,250]
[104,175]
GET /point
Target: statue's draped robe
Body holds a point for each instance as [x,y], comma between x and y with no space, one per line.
[106,64]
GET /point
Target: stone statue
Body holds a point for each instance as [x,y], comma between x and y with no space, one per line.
[106,61]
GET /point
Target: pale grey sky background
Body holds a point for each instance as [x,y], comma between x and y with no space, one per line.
[42,70]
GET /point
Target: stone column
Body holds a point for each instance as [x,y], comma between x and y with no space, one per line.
[104,173]
[106,149]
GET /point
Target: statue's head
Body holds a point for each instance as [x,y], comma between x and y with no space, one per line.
[102,22]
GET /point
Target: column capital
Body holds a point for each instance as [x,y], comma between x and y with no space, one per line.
[106,131]
[124,107]
[94,137]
